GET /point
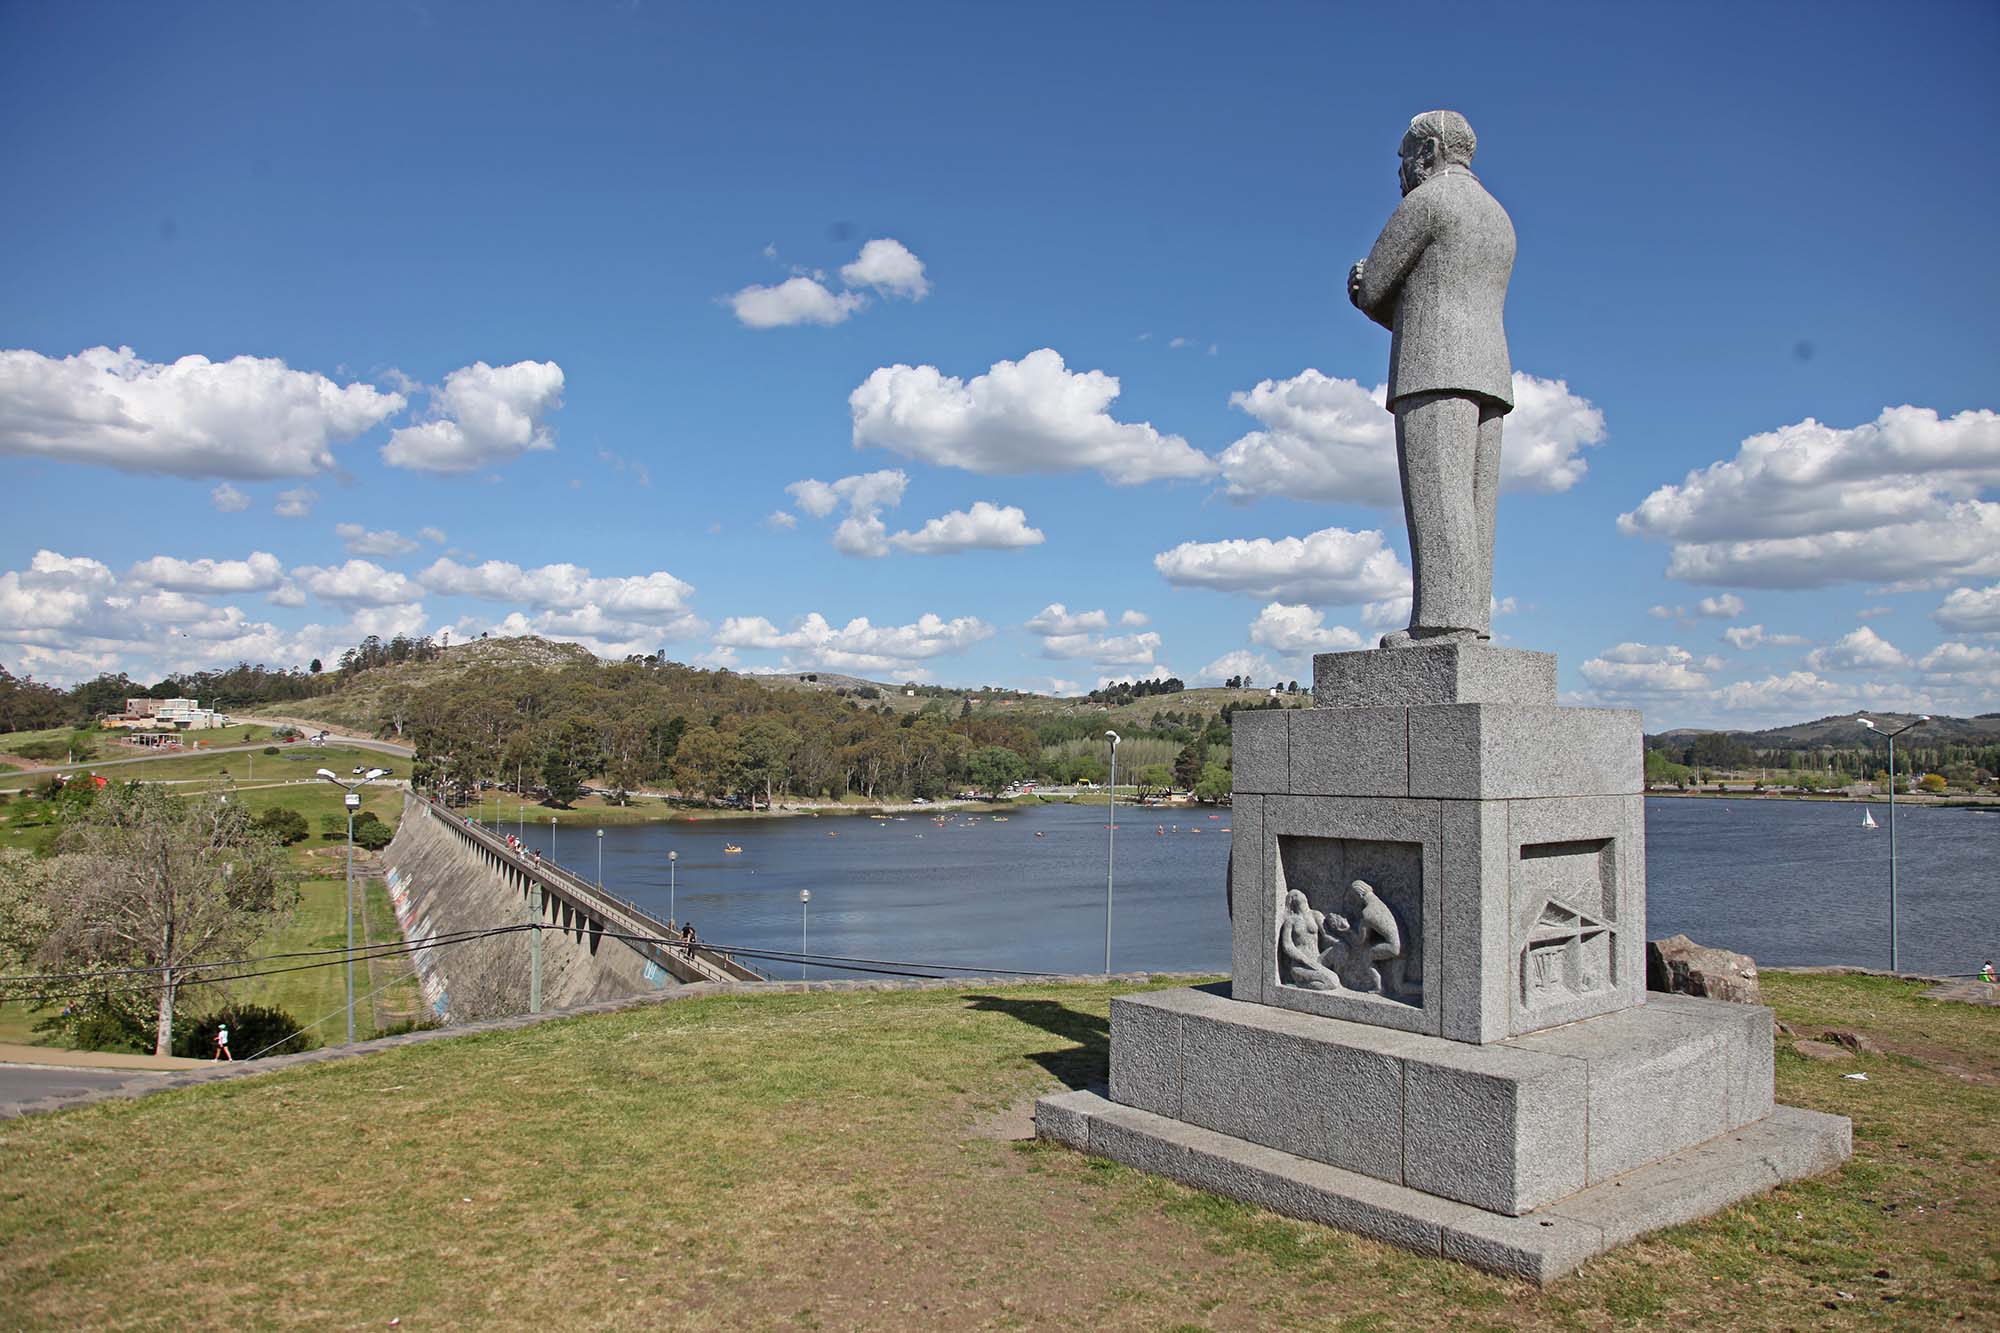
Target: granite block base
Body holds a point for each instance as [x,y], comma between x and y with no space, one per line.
[1786,1145]
[1507,1126]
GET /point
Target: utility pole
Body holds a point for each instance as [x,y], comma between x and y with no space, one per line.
[1894,954]
[535,950]
[353,802]
[1110,848]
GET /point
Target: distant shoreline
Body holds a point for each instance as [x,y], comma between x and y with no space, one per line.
[1957,802]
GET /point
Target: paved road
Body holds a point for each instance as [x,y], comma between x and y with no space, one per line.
[349,742]
[28,1083]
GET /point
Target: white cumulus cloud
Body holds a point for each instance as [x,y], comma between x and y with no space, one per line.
[228,499]
[1242,662]
[362,582]
[1746,637]
[885,266]
[888,266]
[1083,636]
[1301,629]
[1970,664]
[859,645]
[481,416]
[1726,607]
[296,502]
[70,617]
[985,527]
[657,597]
[1031,415]
[1897,499]
[1330,439]
[360,541]
[862,533]
[260,572]
[1970,610]
[1648,669]
[799,300]
[1330,567]
[1858,650]
[248,417]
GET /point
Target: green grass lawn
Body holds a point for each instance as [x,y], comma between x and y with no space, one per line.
[311,996]
[826,1160]
[25,822]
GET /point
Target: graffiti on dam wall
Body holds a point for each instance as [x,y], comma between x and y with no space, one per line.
[424,955]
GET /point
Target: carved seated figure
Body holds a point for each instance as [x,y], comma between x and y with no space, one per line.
[1301,941]
[1373,937]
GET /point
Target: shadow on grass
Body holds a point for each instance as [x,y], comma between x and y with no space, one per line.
[1085,1065]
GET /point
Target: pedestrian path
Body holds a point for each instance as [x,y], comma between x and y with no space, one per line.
[15,1053]
[1973,991]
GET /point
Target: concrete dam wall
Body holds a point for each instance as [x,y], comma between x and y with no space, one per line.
[446,876]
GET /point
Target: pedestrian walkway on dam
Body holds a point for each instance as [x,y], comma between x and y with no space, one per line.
[605,912]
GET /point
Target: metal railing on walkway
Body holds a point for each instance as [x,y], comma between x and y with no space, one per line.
[626,917]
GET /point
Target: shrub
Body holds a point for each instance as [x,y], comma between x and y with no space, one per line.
[372,834]
[335,825]
[286,825]
[102,1023]
[252,1027]
[272,749]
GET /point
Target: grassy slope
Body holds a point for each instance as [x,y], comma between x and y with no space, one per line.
[814,1160]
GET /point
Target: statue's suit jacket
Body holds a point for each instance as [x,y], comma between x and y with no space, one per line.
[1437,278]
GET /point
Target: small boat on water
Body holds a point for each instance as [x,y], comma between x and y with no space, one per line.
[730,849]
[1040,834]
[1868,819]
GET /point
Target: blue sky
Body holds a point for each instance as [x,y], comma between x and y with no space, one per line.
[535,317]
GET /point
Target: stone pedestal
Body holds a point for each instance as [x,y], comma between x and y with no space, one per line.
[1437,901]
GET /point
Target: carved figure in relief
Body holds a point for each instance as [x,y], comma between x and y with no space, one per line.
[1372,937]
[1301,940]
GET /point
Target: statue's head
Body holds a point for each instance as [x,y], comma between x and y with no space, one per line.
[1434,141]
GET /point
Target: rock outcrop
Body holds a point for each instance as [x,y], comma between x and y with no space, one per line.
[1679,966]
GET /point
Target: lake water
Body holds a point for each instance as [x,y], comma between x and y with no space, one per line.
[1787,882]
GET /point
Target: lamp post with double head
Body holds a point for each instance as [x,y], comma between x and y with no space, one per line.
[673,867]
[1895,956]
[352,800]
[1110,847]
[600,858]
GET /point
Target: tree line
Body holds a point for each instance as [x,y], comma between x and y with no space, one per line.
[649,724]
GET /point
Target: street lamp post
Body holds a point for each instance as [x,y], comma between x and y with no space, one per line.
[352,800]
[600,858]
[1895,956]
[1110,849]
[552,839]
[673,865]
[805,896]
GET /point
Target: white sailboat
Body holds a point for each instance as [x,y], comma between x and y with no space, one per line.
[1868,819]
